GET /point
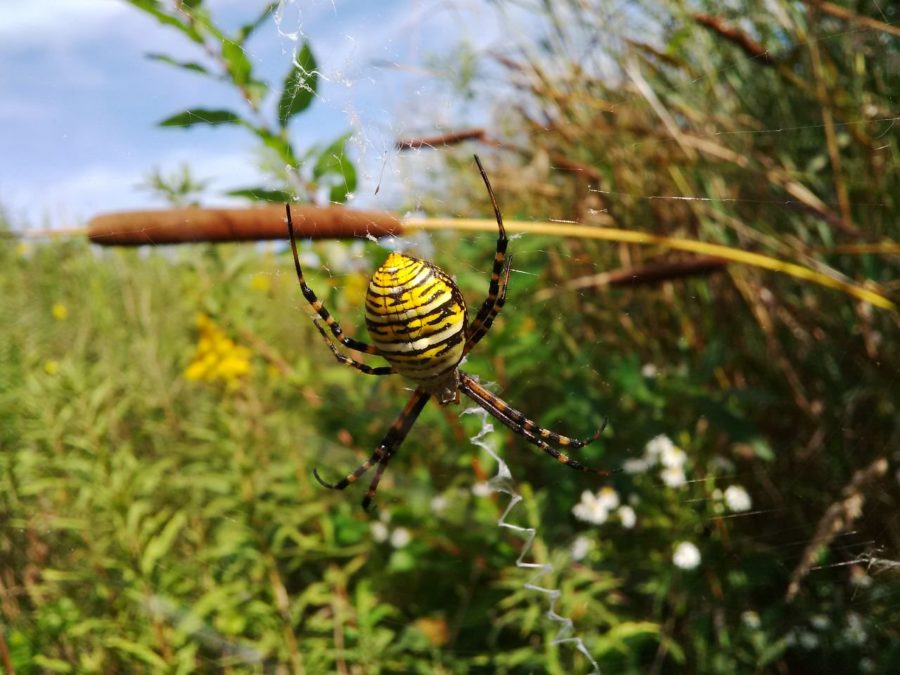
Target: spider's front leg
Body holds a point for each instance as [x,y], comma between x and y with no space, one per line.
[309,294]
[492,305]
[385,450]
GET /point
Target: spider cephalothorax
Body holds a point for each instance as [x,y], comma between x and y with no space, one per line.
[417,320]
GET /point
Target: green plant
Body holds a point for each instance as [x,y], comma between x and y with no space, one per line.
[294,173]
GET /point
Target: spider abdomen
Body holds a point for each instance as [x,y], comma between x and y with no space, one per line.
[416,317]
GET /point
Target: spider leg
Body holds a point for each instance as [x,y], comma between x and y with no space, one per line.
[373,486]
[385,450]
[526,428]
[336,330]
[349,361]
[499,280]
[476,332]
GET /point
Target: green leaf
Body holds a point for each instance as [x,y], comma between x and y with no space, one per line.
[247,29]
[160,545]
[280,146]
[334,165]
[299,86]
[139,651]
[186,65]
[239,67]
[154,9]
[261,194]
[52,665]
[194,116]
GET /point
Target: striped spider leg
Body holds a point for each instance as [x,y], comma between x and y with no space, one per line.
[529,430]
[385,450]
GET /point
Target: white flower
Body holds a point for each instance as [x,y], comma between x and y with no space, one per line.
[856,632]
[590,509]
[820,621]
[672,457]
[657,446]
[439,504]
[608,498]
[635,465]
[808,639]
[673,476]
[379,531]
[686,556]
[481,489]
[627,517]
[751,619]
[400,537]
[580,547]
[737,499]
[649,371]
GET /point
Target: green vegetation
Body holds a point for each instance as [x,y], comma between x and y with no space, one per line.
[161,411]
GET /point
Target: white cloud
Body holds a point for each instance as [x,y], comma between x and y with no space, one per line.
[39,21]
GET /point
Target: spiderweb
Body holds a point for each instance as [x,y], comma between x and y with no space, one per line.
[504,483]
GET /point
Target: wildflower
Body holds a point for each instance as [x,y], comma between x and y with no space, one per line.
[737,499]
[59,311]
[261,283]
[820,621]
[673,476]
[855,632]
[608,498]
[379,531]
[217,357]
[627,517]
[686,556]
[400,537]
[439,504]
[592,508]
[657,446]
[51,367]
[751,619]
[635,465]
[580,547]
[481,489]
[808,639]
[671,456]
[649,371]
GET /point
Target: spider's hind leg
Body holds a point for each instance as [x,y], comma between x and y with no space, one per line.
[385,450]
[527,429]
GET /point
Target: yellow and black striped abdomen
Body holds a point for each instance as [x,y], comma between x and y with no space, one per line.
[416,317]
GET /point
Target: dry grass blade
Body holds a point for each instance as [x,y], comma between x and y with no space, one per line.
[626,236]
[837,518]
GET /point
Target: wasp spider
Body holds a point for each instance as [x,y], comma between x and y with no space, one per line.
[417,320]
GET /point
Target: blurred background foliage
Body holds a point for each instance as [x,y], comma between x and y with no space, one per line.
[161,410]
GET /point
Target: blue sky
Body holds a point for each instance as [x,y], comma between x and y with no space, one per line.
[79,102]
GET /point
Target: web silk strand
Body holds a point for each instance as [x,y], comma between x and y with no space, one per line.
[503,482]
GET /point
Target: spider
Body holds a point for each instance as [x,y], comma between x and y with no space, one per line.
[416,318]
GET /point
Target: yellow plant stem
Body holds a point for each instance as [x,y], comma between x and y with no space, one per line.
[569,229]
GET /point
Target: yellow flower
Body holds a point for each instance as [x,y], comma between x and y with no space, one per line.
[59,311]
[261,283]
[217,357]
[51,367]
